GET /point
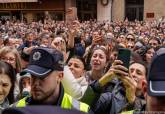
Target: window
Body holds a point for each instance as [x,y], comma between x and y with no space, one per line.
[134,9]
[87,9]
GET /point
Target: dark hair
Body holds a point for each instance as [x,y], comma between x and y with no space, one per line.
[103,48]
[81,59]
[6,41]
[7,69]
[23,75]
[135,57]
[154,38]
[24,56]
[44,36]
[131,35]
[143,51]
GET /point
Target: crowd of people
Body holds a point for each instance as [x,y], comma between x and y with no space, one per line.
[74,65]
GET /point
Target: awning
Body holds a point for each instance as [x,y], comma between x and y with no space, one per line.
[12,1]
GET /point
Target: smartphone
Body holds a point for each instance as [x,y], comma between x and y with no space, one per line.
[124,55]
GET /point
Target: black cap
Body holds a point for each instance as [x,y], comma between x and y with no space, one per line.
[156,74]
[45,60]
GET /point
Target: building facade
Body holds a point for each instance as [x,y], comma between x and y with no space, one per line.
[138,9]
[33,10]
[113,10]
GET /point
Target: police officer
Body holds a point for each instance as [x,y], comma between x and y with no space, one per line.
[46,69]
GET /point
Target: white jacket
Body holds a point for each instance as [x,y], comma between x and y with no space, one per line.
[74,87]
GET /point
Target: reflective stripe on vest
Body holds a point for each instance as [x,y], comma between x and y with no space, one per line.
[75,104]
[67,102]
[128,112]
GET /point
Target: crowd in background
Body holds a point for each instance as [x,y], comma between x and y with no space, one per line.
[90,50]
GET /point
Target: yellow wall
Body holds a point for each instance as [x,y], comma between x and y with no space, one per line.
[118,10]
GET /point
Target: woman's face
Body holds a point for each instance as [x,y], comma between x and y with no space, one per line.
[10,58]
[145,40]
[113,56]
[26,82]
[5,86]
[76,66]
[98,60]
[130,39]
[120,39]
[149,55]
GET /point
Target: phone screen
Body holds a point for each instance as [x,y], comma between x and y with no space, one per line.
[124,55]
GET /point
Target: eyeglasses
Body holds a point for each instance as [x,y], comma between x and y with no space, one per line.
[10,59]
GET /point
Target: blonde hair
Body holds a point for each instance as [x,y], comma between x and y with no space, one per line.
[10,49]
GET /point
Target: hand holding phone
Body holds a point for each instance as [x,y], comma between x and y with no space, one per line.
[124,55]
[116,70]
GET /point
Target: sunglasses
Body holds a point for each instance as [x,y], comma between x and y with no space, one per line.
[130,39]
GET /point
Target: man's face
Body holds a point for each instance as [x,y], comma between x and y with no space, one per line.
[44,89]
[137,71]
[153,43]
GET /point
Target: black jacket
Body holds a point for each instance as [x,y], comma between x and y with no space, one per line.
[109,100]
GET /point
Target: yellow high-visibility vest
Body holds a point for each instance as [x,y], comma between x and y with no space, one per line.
[67,102]
[128,112]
